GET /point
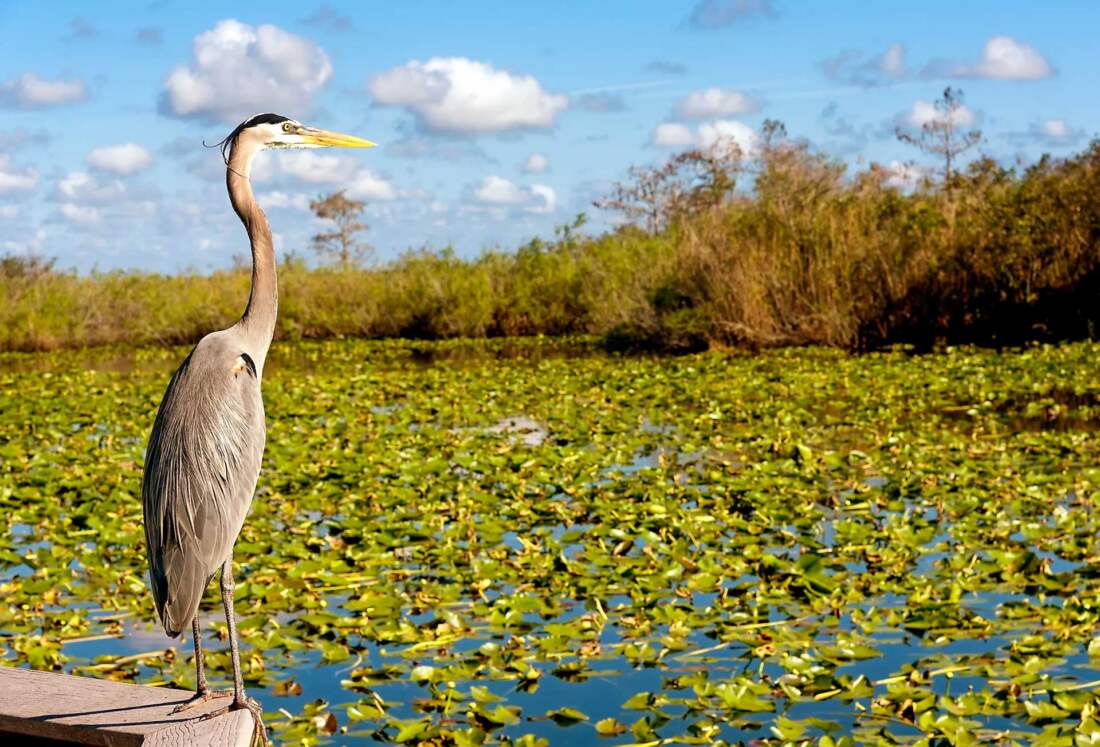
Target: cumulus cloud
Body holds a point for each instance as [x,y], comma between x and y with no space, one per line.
[28,91]
[284,200]
[80,214]
[80,187]
[720,132]
[905,175]
[714,102]
[853,68]
[673,135]
[715,134]
[238,70]
[460,95]
[14,179]
[125,159]
[1003,58]
[536,163]
[1052,133]
[713,14]
[500,192]
[338,171]
[925,112]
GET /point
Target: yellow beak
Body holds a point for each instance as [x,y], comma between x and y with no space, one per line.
[334,139]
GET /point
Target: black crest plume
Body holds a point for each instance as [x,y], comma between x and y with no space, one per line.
[225,144]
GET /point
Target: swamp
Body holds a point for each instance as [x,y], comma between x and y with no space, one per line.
[532,542]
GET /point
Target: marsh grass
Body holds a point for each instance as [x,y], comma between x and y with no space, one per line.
[802,253]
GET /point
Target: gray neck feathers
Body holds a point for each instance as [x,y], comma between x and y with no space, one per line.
[257,325]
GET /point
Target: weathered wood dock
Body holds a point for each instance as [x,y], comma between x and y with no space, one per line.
[48,708]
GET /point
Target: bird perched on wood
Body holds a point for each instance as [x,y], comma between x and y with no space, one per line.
[207,442]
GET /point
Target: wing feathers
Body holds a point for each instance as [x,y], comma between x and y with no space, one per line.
[200,471]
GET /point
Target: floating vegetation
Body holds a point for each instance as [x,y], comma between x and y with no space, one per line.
[529,549]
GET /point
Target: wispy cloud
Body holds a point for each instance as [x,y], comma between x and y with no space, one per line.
[715,14]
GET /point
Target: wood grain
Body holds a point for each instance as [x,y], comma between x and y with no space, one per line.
[82,710]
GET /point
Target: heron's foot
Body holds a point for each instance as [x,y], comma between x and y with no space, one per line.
[250,705]
[202,696]
[253,707]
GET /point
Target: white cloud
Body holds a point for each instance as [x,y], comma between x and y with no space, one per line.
[672,135]
[125,159]
[28,91]
[904,175]
[315,168]
[14,179]
[536,163]
[723,131]
[79,187]
[239,69]
[498,191]
[714,102]
[1004,58]
[365,185]
[7,212]
[79,213]
[1054,132]
[338,171]
[1055,128]
[547,195]
[707,135]
[457,94]
[925,112]
[285,200]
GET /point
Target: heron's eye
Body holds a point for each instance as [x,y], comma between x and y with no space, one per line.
[287,127]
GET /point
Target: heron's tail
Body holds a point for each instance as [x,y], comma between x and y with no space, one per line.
[179,592]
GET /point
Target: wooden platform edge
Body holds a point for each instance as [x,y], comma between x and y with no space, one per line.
[56,708]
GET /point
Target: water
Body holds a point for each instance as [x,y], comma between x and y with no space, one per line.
[807,519]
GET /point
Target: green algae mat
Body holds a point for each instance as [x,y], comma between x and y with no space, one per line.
[530,543]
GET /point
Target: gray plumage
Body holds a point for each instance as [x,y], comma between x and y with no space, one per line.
[207,443]
[200,472]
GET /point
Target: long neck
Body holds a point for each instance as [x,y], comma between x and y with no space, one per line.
[257,325]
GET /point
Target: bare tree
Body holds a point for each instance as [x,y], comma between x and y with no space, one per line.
[941,135]
[690,182]
[342,244]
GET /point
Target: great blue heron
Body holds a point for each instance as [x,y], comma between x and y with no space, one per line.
[204,452]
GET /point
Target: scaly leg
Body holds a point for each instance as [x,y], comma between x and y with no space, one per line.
[240,700]
[203,692]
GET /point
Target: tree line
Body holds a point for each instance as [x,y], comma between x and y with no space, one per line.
[782,246]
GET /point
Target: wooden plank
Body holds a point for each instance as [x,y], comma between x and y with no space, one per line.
[60,708]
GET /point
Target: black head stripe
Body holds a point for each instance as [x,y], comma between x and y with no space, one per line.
[268,118]
[257,119]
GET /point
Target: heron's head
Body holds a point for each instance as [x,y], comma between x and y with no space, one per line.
[264,131]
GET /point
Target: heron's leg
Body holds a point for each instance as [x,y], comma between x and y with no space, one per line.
[228,586]
[203,692]
[239,699]
[200,671]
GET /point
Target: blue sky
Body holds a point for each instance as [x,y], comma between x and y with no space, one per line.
[496,120]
